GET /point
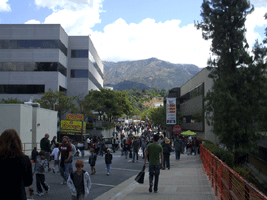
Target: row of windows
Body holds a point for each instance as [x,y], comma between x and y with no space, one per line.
[79,53]
[192,94]
[84,73]
[33,66]
[33,44]
[194,118]
[22,89]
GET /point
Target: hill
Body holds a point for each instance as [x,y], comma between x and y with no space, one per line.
[147,74]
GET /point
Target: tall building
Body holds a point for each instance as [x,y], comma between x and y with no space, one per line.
[36,57]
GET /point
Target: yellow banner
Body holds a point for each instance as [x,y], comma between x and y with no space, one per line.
[74,117]
[68,126]
[84,127]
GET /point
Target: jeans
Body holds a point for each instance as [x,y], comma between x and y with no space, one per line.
[166,160]
[135,153]
[40,180]
[108,168]
[82,152]
[126,153]
[195,150]
[154,170]
[65,170]
[71,167]
[177,155]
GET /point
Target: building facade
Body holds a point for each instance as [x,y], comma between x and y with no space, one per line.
[37,57]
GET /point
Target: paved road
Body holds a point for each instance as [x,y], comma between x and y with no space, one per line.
[121,170]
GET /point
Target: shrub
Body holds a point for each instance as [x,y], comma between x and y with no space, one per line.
[89,126]
[242,171]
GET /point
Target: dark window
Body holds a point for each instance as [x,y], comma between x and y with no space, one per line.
[62,89]
[22,89]
[79,53]
[33,44]
[33,66]
[79,73]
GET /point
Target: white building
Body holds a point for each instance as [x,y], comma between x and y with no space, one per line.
[36,57]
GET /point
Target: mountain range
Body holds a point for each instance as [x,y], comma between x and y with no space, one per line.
[147,74]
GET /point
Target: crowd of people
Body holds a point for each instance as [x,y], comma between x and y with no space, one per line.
[150,145]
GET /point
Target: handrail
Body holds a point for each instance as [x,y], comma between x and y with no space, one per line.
[227,183]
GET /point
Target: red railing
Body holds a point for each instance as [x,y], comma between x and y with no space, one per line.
[226,182]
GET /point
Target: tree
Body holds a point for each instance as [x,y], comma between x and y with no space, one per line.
[56,101]
[231,105]
[113,103]
[10,101]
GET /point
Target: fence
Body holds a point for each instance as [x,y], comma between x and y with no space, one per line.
[226,182]
[27,148]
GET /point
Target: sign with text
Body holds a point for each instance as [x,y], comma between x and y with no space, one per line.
[74,117]
[171,111]
[71,126]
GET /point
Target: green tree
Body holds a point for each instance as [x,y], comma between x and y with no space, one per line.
[10,101]
[56,101]
[113,103]
[231,105]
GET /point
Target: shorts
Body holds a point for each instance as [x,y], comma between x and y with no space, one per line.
[92,165]
[47,156]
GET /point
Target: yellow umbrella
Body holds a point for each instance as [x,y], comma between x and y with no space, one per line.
[188,133]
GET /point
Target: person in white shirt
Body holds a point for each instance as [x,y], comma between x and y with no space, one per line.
[55,154]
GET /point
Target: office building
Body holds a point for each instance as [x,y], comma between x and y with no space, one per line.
[36,57]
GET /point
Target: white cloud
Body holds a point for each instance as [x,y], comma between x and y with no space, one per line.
[258,3]
[77,17]
[4,7]
[167,41]
[255,20]
[32,21]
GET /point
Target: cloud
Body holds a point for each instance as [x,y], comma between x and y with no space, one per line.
[4,7]
[164,40]
[33,21]
[77,17]
[258,3]
[255,20]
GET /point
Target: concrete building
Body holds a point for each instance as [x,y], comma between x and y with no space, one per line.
[36,57]
[190,102]
[31,123]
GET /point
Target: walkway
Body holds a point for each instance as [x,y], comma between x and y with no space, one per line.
[184,181]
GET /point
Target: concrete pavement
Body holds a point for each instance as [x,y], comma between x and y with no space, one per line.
[184,181]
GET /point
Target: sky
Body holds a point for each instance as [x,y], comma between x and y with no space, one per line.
[124,30]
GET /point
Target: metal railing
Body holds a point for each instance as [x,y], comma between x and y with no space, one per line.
[227,183]
[28,147]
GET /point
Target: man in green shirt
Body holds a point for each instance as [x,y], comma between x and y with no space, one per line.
[154,150]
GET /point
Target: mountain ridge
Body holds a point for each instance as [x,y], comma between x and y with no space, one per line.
[147,73]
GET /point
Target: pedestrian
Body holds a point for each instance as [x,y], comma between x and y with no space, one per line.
[73,153]
[79,182]
[55,154]
[53,143]
[65,150]
[108,160]
[126,148]
[41,163]
[16,169]
[144,143]
[92,161]
[34,156]
[195,145]
[189,147]
[46,147]
[80,146]
[177,147]
[166,153]
[136,146]
[154,150]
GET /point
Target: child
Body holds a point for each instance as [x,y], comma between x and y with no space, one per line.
[79,182]
[108,159]
[92,160]
[41,163]
[55,153]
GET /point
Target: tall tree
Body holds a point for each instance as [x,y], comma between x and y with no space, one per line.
[231,102]
[56,101]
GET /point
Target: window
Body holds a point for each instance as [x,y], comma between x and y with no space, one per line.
[33,66]
[33,44]
[79,73]
[79,53]
[22,89]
